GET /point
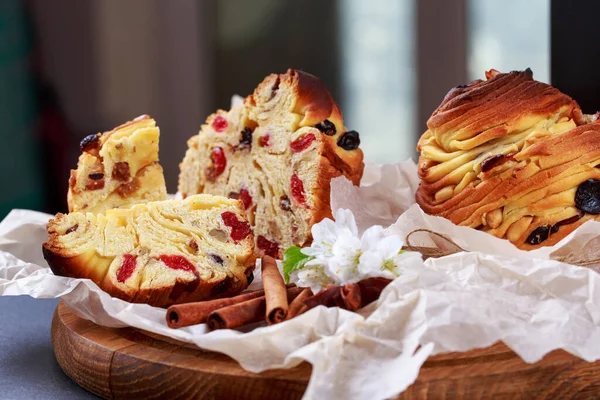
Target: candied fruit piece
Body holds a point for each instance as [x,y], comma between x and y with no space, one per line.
[297,188]
[219,124]
[246,198]
[270,248]
[264,140]
[178,262]
[219,161]
[127,267]
[239,229]
[302,143]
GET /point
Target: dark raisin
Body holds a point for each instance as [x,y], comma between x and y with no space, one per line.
[193,245]
[274,89]
[246,140]
[491,162]
[89,142]
[567,221]
[72,229]
[285,203]
[250,278]
[539,234]
[96,176]
[327,127]
[349,141]
[216,259]
[528,71]
[233,195]
[587,197]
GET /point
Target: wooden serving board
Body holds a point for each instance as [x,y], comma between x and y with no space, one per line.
[127,363]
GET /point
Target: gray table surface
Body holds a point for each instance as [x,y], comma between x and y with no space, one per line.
[28,369]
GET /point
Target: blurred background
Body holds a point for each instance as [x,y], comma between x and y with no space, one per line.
[69,68]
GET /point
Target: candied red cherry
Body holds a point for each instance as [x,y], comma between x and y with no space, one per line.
[219,124]
[270,248]
[239,229]
[265,140]
[127,267]
[177,262]
[302,143]
[246,198]
[297,189]
[219,161]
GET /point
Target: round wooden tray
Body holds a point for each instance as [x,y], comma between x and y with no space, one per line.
[127,363]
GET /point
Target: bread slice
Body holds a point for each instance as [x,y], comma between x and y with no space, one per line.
[118,168]
[159,253]
[277,153]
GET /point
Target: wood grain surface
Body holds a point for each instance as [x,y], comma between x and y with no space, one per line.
[127,363]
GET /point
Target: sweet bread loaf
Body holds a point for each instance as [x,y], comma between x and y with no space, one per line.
[513,157]
[118,168]
[159,253]
[277,153]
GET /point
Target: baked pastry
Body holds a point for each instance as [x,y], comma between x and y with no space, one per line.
[159,253]
[277,153]
[118,168]
[513,157]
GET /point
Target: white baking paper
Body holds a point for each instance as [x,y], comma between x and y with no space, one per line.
[459,302]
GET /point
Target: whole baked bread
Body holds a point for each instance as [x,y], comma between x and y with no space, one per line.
[118,168]
[159,253]
[513,157]
[277,153]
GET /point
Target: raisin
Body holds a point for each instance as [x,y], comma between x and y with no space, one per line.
[349,141]
[284,203]
[193,245]
[121,171]
[270,248]
[297,188]
[216,259]
[72,229]
[96,177]
[539,234]
[491,162]
[90,142]
[219,161]
[127,267]
[246,198]
[274,89]
[587,196]
[246,140]
[302,143]
[233,195]
[567,221]
[250,278]
[264,140]
[239,229]
[327,127]
[219,124]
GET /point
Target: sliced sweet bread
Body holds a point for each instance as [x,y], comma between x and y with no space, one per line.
[277,153]
[159,253]
[118,168]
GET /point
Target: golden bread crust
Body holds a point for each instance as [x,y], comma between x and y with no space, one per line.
[507,156]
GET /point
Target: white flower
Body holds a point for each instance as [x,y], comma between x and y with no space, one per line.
[340,256]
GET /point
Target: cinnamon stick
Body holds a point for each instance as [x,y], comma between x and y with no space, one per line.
[275,293]
[181,315]
[298,303]
[351,296]
[244,313]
